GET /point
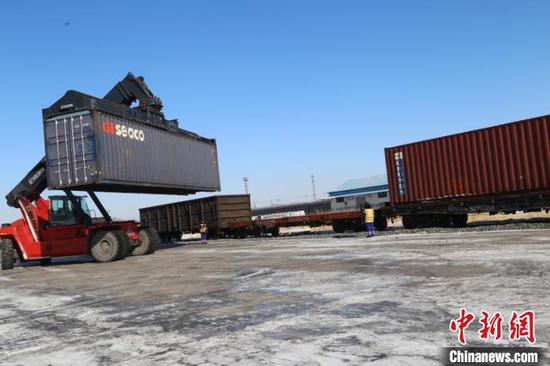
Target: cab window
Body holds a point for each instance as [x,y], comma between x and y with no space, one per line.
[61,212]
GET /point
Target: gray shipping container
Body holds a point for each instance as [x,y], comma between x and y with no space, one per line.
[92,150]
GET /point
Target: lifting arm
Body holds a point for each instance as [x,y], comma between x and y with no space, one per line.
[30,187]
[132,88]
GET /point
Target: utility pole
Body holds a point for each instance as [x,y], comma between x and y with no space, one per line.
[313,187]
[245,180]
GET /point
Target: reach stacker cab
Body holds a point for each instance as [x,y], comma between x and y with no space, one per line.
[62,226]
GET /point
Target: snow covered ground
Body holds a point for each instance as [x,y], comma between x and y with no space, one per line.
[285,301]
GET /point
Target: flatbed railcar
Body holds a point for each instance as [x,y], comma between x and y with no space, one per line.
[340,221]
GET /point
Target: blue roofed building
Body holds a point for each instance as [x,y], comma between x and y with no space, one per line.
[354,193]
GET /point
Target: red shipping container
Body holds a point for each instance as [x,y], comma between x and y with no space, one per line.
[500,160]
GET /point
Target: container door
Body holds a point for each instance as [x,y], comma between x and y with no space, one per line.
[70,150]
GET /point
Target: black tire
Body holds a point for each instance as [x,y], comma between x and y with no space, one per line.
[148,241]
[7,258]
[126,244]
[107,246]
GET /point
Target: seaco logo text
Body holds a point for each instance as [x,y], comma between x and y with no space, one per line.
[117,129]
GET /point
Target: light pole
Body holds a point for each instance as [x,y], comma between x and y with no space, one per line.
[245,180]
[313,187]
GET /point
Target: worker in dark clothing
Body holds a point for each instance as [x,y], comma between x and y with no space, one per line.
[204,233]
[369,220]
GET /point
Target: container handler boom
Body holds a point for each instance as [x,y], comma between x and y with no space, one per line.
[30,187]
[131,89]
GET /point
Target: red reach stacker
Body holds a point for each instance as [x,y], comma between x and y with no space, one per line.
[109,144]
[62,226]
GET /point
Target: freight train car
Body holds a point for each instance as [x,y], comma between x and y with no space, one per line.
[504,168]
[217,212]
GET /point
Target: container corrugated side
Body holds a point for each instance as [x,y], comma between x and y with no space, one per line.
[156,157]
[505,159]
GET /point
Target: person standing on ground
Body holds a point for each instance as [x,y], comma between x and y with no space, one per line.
[369,220]
[204,233]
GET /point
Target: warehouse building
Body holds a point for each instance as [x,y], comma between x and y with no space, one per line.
[354,193]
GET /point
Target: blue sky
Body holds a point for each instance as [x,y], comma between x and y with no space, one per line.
[288,88]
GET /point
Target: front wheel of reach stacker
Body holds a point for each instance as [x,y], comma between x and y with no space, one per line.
[107,246]
[7,258]
[148,241]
